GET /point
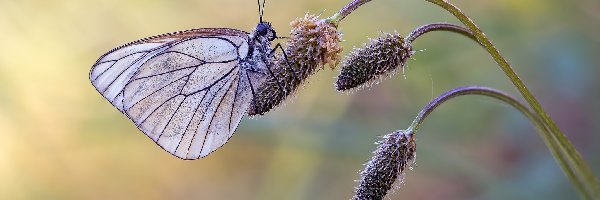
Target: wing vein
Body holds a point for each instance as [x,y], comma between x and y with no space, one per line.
[115,61]
[123,71]
[145,52]
[163,87]
[212,84]
[237,89]
[154,110]
[167,72]
[204,112]
[171,118]
[210,123]
[166,47]
[190,123]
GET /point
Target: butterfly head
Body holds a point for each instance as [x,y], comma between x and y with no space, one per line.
[265,30]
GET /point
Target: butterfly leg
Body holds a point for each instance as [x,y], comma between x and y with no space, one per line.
[276,79]
[285,57]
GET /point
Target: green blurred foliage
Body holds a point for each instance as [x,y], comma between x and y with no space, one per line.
[59,139]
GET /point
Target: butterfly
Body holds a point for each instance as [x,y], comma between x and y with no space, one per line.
[187,90]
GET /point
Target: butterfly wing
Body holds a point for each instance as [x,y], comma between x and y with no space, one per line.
[184,90]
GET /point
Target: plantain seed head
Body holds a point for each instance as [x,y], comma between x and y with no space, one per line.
[393,155]
[379,58]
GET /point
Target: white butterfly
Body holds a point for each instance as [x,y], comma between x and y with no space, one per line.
[187,90]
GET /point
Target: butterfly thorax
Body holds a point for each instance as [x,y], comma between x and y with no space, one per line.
[259,58]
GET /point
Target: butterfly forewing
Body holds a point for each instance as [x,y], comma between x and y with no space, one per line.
[185,91]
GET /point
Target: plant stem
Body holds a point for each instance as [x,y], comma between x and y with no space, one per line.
[340,15]
[440,26]
[470,90]
[584,179]
[496,94]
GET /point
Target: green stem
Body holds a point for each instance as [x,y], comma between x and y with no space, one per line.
[583,177]
[471,90]
[440,26]
[345,11]
[489,92]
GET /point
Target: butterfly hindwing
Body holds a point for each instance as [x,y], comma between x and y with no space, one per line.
[186,91]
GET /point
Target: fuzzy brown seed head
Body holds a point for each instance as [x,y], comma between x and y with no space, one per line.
[313,44]
[377,59]
[314,40]
[392,157]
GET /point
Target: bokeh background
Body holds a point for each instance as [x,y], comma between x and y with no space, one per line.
[59,139]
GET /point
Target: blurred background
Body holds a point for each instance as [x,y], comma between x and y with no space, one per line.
[60,139]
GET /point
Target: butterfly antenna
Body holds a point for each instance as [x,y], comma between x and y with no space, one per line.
[259,11]
[262,10]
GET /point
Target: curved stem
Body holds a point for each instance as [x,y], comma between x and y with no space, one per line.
[496,94]
[440,26]
[584,179]
[470,90]
[340,15]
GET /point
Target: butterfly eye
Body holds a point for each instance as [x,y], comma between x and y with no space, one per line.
[262,29]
